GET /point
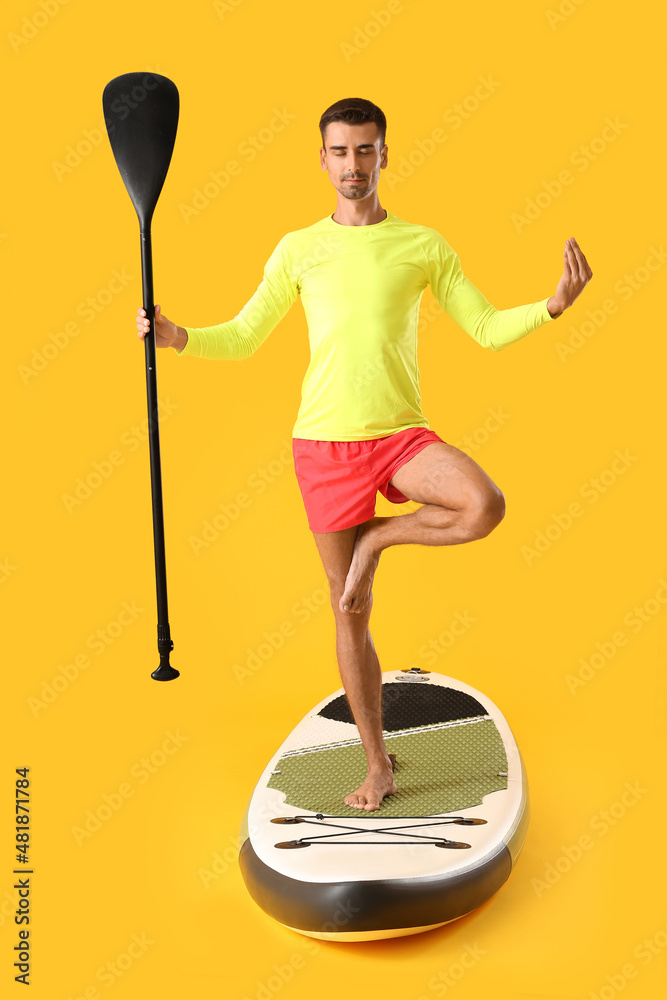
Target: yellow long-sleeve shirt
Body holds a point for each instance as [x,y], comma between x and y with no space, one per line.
[361,287]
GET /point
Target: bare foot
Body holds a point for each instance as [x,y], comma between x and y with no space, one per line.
[358,588]
[369,795]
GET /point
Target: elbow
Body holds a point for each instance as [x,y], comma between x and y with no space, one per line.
[489,344]
[247,350]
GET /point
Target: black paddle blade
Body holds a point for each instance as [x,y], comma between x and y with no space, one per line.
[141,116]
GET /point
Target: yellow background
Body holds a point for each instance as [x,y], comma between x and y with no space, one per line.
[566,924]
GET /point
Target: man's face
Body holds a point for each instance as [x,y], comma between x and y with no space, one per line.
[353,151]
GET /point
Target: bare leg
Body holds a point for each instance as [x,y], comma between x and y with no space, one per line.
[360,672]
[461,504]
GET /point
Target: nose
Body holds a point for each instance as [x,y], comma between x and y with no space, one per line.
[352,165]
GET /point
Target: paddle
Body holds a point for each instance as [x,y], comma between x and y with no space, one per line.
[141,116]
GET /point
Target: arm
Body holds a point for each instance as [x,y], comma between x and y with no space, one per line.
[496,328]
[241,336]
[490,327]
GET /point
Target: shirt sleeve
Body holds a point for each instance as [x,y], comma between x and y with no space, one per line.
[490,327]
[241,336]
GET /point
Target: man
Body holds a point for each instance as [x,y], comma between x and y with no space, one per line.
[360,273]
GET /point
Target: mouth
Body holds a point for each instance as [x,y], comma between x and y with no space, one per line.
[353,180]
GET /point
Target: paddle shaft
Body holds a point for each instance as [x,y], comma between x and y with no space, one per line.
[165,645]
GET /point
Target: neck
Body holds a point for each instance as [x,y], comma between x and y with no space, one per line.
[363,213]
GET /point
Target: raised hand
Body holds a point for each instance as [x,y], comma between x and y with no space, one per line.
[575,277]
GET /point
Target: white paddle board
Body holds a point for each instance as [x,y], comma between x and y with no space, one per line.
[442,845]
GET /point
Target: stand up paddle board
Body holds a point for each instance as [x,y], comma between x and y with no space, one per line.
[435,850]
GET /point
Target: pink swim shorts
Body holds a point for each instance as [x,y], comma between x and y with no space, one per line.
[339,480]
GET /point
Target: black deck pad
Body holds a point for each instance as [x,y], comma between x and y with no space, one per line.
[407,705]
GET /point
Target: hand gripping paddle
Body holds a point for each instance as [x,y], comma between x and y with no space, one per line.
[141,116]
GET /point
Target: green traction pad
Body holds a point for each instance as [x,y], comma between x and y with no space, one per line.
[440,770]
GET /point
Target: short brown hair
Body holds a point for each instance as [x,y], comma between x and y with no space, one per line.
[354,111]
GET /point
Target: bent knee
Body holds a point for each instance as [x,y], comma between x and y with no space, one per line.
[486,513]
[344,616]
[336,590]
[345,619]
